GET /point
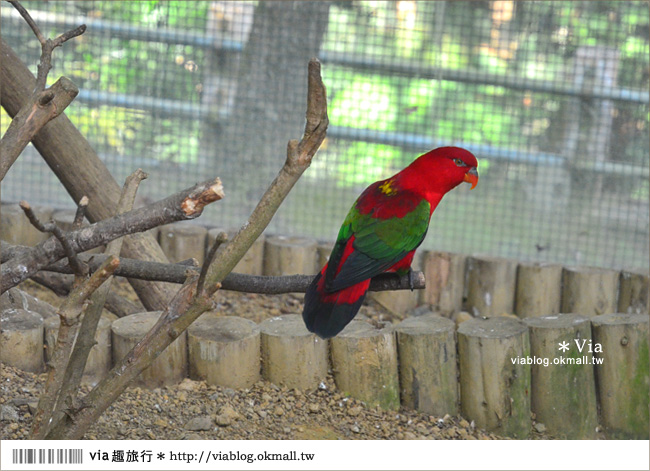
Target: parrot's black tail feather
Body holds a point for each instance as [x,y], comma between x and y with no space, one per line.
[327,314]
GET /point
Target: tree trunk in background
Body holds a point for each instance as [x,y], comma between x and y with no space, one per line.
[271,87]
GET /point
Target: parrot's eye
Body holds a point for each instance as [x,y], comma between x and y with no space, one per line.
[460,163]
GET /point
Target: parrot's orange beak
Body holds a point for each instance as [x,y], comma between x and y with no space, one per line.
[471,177]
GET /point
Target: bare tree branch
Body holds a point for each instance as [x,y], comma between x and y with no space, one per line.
[299,155]
[177,273]
[85,339]
[47,45]
[69,315]
[29,20]
[80,170]
[220,239]
[61,285]
[43,105]
[81,213]
[77,267]
[189,304]
[186,204]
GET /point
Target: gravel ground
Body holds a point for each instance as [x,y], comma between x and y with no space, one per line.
[195,410]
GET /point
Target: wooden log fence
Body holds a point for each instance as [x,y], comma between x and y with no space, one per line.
[16,228]
[445,275]
[180,241]
[169,368]
[494,387]
[428,372]
[538,291]
[589,291]
[364,361]
[290,256]
[622,373]
[21,340]
[487,365]
[490,289]
[563,389]
[291,355]
[224,351]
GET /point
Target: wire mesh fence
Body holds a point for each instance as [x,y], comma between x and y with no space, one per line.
[552,97]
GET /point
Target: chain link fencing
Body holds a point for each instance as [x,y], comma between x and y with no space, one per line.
[552,98]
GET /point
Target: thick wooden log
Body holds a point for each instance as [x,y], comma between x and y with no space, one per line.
[364,361]
[426,347]
[633,293]
[224,351]
[289,256]
[252,263]
[621,345]
[21,340]
[80,170]
[589,291]
[15,228]
[100,357]
[171,365]
[539,289]
[494,389]
[181,241]
[563,389]
[291,355]
[490,289]
[445,275]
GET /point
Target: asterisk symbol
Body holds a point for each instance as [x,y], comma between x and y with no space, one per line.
[564,346]
[161,456]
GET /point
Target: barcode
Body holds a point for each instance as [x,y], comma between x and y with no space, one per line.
[48,456]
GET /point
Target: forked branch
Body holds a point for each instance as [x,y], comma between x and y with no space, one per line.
[44,104]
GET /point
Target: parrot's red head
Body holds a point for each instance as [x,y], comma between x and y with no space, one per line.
[440,170]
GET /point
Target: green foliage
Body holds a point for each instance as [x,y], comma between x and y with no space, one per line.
[538,42]
[365,102]
[100,122]
[363,163]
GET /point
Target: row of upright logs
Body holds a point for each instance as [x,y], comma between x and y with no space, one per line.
[494,371]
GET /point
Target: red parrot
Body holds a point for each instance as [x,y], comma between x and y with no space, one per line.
[380,234]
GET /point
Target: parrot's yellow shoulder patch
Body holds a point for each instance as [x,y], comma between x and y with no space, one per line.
[387,188]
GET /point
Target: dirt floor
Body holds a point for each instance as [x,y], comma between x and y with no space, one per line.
[194,410]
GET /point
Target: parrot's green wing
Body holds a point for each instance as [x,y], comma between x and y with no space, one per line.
[377,233]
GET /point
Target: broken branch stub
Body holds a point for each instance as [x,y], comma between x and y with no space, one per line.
[194,203]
